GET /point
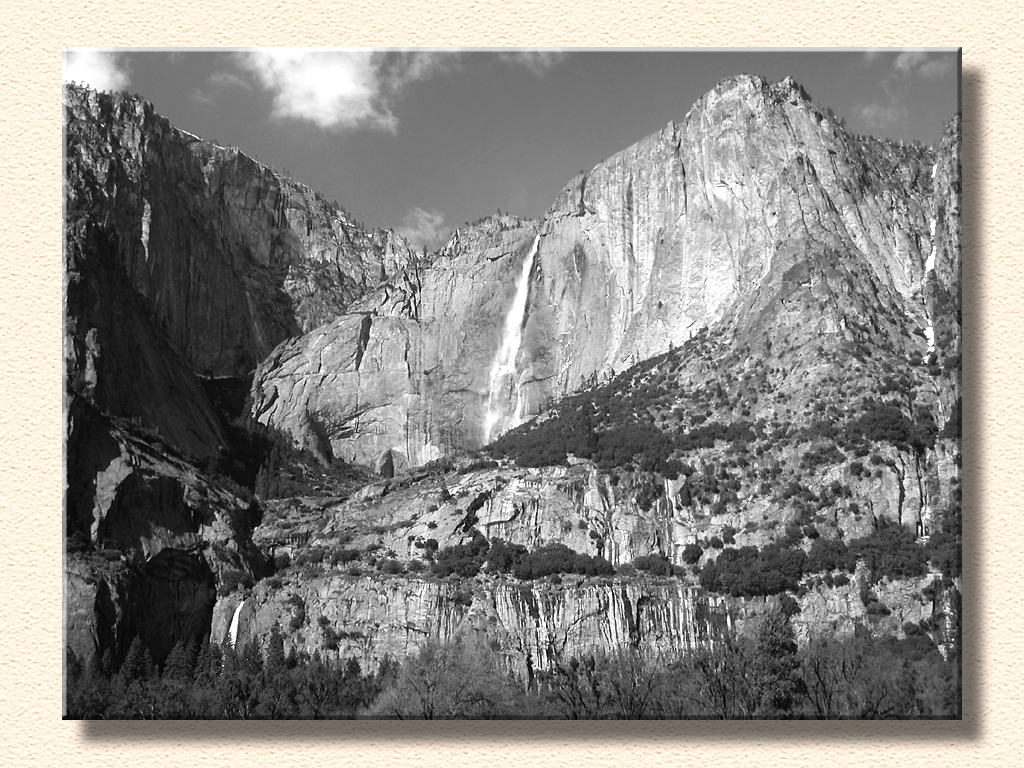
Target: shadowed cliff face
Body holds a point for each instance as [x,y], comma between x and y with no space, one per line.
[231,257]
[117,361]
[160,537]
[182,258]
[708,223]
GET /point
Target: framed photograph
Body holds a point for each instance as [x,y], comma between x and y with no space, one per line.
[499,384]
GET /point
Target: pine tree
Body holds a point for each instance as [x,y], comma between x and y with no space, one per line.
[777,668]
[137,664]
[276,662]
[179,666]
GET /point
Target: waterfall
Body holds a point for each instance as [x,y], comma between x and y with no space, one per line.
[929,269]
[503,369]
[233,631]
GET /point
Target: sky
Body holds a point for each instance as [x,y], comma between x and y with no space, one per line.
[422,140]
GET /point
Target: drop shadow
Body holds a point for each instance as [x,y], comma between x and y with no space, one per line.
[499,732]
[973,211]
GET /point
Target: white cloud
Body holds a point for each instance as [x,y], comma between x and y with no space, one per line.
[225,79]
[938,66]
[881,116]
[923,63]
[537,62]
[356,88]
[339,89]
[423,228]
[396,69]
[219,81]
[332,89]
[102,70]
[908,61]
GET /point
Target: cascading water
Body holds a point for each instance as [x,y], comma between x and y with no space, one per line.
[233,629]
[499,417]
[929,269]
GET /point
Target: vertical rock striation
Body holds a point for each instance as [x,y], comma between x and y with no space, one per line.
[530,625]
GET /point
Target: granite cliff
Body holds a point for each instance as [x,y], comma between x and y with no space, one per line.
[403,376]
[680,232]
[739,338]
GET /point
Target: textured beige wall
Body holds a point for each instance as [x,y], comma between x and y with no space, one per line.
[30,368]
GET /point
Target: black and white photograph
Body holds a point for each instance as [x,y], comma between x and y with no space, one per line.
[503,384]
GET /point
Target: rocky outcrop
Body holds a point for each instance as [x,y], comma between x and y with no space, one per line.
[230,257]
[181,257]
[149,539]
[673,234]
[530,625]
[534,625]
[619,516]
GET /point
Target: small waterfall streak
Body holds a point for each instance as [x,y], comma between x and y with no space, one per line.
[233,630]
[503,369]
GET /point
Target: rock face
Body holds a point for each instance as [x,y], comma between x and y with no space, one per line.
[408,376]
[230,257]
[685,230]
[115,359]
[182,258]
[159,536]
[942,276]
[531,625]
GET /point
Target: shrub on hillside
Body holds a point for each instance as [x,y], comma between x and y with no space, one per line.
[656,565]
[748,572]
[461,559]
[891,551]
[692,553]
[558,558]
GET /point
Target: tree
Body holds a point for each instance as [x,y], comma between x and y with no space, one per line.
[776,668]
[240,683]
[577,691]
[633,684]
[458,680]
[317,688]
[723,673]
[181,662]
[138,664]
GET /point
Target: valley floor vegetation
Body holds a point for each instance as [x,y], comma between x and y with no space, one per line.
[761,677]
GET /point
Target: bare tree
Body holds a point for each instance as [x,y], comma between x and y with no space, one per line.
[458,680]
